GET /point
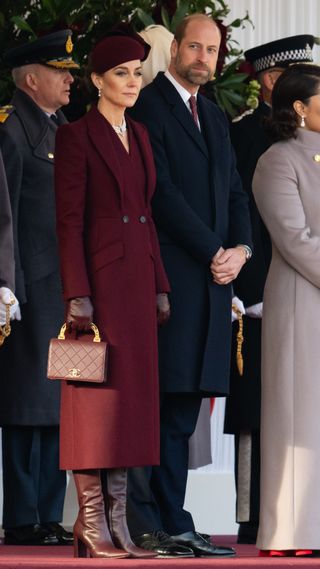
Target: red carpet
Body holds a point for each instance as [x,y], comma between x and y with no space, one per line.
[13,557]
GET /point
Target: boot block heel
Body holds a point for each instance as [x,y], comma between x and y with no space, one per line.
[80,549]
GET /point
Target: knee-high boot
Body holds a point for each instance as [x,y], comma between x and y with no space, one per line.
[91,533]
[116,501]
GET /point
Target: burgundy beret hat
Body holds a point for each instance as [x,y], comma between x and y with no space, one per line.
[118,46]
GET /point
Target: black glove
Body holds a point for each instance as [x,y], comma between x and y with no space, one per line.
[79,313]
[163,308]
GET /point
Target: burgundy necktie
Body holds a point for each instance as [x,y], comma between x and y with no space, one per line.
[193,107]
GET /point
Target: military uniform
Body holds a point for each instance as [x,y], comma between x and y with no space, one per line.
[6,237]
[34,487]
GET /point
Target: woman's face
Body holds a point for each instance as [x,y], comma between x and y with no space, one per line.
[311,113]
[120,86]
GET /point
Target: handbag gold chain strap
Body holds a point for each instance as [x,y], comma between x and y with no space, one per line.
[5,329]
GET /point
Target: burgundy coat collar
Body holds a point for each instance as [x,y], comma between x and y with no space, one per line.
[101,139]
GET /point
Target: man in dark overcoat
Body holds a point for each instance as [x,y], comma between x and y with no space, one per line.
[203,221]
[250,140]
[6,254]
[33,485]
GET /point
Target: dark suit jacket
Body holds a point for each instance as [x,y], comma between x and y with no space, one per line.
[199,205]
[27,142]
[250,141]
[6,236]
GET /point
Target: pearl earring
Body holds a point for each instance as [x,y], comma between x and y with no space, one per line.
[99,92]
[303,123]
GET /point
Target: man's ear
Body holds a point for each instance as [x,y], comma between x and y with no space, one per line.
[174,48]
[31,81]
[268,79]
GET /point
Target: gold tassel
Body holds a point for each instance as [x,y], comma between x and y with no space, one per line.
[6,328]
[240,339]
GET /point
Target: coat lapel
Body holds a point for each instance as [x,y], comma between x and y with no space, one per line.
[180,111]
[40,135]
[99,135]
[209,131]
[147,157]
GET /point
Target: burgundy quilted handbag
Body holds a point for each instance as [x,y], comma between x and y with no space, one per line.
[77,359]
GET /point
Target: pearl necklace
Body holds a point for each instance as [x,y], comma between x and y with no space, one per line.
[120,128]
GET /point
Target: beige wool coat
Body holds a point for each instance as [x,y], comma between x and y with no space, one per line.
[286,187]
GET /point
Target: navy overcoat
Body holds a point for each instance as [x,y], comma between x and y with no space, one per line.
[199,206]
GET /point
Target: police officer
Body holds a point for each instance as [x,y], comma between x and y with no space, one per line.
[33,485]
[250,140]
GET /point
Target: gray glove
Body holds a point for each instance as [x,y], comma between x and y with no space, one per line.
[79,313]
[163,308]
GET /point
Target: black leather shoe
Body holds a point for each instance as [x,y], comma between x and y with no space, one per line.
[32,534]
[200,546]
[205,536]
[162,544]
[63,536]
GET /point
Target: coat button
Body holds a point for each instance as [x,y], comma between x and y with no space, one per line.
[125,219]
[142,219]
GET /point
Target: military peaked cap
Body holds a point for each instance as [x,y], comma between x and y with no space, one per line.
[53,49]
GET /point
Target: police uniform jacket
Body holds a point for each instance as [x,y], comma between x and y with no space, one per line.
[27,141]
[250,141]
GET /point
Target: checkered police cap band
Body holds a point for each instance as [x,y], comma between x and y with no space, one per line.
[281,53]
[283,58]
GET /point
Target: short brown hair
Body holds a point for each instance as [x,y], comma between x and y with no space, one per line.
[182,26]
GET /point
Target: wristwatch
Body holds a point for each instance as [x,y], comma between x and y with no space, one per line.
[247,250]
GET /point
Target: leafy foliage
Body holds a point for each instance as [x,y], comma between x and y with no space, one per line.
[89,20]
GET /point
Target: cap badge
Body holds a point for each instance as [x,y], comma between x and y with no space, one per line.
[69,45]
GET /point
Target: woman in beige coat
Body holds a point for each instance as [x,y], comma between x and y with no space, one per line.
[287,191]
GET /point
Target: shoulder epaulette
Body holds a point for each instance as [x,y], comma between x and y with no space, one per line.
[5,112]
[245,114]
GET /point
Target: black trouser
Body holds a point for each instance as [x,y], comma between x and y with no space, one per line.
[156,494]
[33,486]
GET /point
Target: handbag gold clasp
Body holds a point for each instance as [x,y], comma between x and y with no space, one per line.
[74,372]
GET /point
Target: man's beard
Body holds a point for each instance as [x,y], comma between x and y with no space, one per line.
[192,75]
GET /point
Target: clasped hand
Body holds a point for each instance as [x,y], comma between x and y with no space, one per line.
[226,264]
[7,297]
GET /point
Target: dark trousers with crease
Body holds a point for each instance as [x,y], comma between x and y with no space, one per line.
[33,486]
[156,494]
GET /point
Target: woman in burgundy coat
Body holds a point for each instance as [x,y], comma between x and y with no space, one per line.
[112,274]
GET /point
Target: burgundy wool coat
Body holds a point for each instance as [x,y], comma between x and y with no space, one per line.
[109,251]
